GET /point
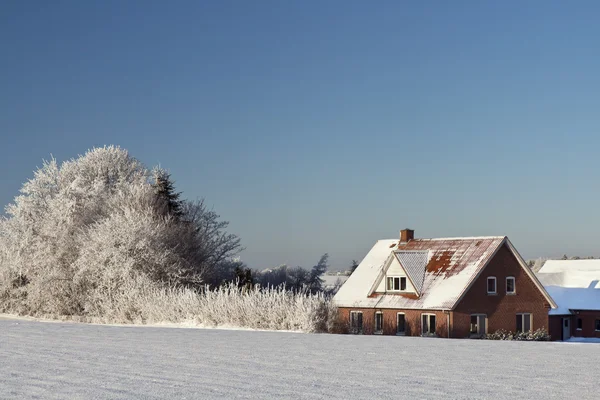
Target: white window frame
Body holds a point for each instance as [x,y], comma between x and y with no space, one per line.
[485,321]
[514,285]
[523,321]
[375,331]
[357,332]
[429,315]
[487,285]
[403,333]
[399,284]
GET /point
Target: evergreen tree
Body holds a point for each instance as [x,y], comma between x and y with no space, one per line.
[353,266]
[315,283]
[168,198]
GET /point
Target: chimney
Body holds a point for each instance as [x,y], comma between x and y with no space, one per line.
[406,235]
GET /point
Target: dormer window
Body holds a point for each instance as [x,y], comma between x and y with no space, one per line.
[396,283]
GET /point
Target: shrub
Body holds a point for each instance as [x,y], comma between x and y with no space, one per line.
[501,334]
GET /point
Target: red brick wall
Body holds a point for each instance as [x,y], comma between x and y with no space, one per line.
[412,317]
[501,309]
[555,326]
[588,319]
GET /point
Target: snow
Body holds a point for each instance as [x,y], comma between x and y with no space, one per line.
[573,284]
[570,266]
[574,339]
[330,281]
[78,361]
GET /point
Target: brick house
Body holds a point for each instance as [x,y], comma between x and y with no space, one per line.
[575,286]
[449,287]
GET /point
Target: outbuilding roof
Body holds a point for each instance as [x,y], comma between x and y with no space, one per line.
[573,284]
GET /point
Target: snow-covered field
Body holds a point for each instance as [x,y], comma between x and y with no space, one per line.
[76,361]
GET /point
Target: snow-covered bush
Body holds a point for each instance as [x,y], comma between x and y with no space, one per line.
[140,300]
[537,335]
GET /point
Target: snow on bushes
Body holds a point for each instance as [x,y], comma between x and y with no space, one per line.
[95,238]
[537,335]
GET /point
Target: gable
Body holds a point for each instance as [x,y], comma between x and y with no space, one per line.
[505,262]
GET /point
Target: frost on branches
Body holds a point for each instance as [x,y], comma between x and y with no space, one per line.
[81,232]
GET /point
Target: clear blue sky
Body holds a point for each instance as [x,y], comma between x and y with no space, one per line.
[320,127]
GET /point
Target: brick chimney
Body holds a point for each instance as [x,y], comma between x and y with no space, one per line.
[406,235]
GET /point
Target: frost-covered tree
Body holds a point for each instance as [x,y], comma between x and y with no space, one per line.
[80,231]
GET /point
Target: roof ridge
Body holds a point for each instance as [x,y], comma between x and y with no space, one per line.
[463,238]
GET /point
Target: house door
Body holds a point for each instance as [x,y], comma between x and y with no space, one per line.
[566,323]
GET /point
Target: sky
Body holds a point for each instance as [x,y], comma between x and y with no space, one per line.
[319,127]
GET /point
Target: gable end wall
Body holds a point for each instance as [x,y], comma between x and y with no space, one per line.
[501,309]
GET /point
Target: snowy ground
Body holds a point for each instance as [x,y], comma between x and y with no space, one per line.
[77,361]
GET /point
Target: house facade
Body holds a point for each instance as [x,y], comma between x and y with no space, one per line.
[575,287]
[448,287]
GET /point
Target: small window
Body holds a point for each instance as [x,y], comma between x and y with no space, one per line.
[378,322]
[491,285]
[598,325]
[428,324]
[523,322]
[356,322]
[510,285]
[401,324]
[579,324]
[397,283]
[478,324]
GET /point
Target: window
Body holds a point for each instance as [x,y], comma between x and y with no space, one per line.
[579,324]
[356,322]
[401,324]
[428,324]
[523,322]
[510,285]
[598,325]
[396,283]
[491,285]
[378,322]
[478,324]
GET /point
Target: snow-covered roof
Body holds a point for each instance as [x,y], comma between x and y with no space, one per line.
[573,284]
[452,265]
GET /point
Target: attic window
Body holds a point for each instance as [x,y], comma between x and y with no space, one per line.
[491,285]
[396,283]
[510,285]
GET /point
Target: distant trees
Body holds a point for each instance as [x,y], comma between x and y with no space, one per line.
[295,278]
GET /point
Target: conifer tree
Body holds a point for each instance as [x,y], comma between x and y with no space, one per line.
[315,283]
[165,190]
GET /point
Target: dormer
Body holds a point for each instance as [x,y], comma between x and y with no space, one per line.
[403,272]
